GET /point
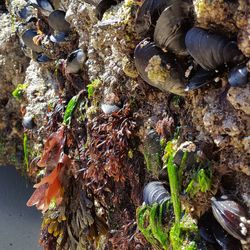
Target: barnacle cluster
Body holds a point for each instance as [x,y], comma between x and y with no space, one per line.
[216,14]
[105,133]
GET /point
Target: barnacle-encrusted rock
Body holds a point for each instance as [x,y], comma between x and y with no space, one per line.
[215,14]
[225,125]
[240,98]
[131,109]
[12,65]
[242,17]
[40,95]
[129,68]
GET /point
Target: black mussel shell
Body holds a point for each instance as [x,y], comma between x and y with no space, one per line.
[211,50]
[212,232]
[57,21]
[158,68]
[148,15]
[44,5]
[42,58]
[57,37]
[238,76]
[75,61]
[205,227]
[172,26]
[201,78]
[28,122]
[27,38]
[155,192]
[25,12]
[77,55]
[232,217]
[225,240]
[102,6]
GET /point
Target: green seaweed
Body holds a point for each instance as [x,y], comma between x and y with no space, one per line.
[13,20]
[70,109]
[19,90]
[182,231]
[173,176]
[25,151]
[176,101]
[184,236]
[201,182]
[150,223]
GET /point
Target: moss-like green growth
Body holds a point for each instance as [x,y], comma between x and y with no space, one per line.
[25,151]
[19,91]
[201,182]
[130,154]
[92,87]
[152,151]
[13,21]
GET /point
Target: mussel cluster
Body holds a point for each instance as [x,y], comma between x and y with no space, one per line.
[225,226]
[172,40]
[42,29]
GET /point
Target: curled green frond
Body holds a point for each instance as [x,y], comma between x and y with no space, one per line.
[150,223]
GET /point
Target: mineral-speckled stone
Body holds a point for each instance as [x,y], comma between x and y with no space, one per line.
[240,98]
[12,64]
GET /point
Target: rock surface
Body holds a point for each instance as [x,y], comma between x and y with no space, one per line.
[13,64]
[105,170]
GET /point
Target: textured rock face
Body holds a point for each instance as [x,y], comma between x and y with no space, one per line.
[13,64]
[239,98]
[102,180]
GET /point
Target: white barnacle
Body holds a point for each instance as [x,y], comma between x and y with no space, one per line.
[243,219]
[243,229]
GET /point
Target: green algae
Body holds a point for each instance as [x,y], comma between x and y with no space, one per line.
[181,231]
[19,91]
[201,182]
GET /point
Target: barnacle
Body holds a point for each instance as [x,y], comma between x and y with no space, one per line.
[215,14]
[154,192]
[129,67]
[91,165]
[243,23]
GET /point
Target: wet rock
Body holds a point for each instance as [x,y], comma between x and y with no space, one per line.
[12,73]
[153,152]
[40,96]
[240,98]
